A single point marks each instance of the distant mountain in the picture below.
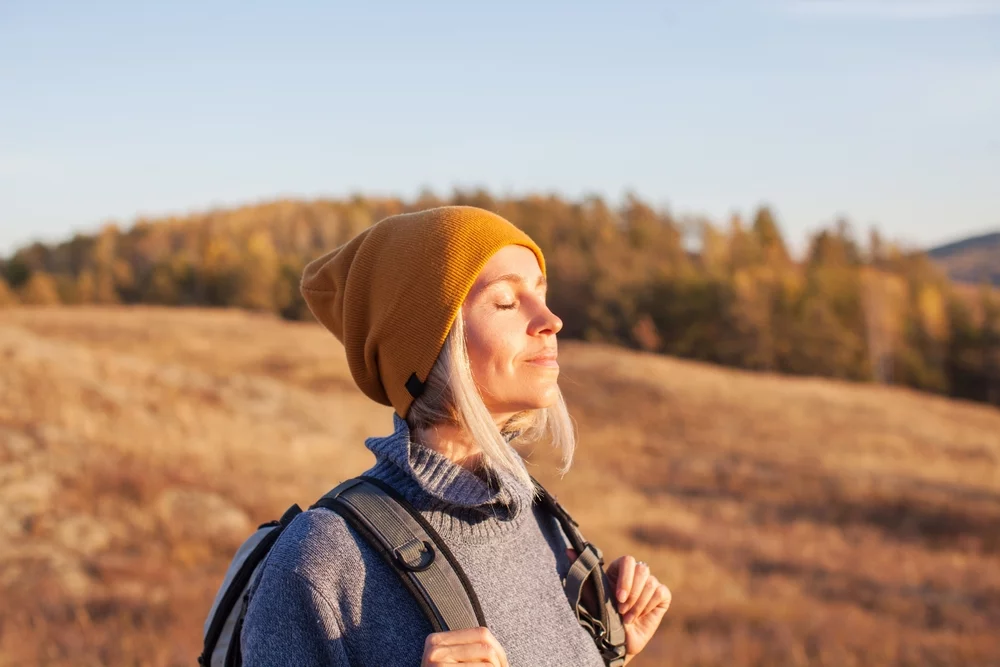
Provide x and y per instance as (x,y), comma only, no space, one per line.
(971,260)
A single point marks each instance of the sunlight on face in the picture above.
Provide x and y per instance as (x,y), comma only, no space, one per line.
(508,326)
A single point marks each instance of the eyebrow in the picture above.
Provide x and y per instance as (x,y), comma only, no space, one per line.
(515,278)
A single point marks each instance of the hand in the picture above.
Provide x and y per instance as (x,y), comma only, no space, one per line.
(473,646)
(642,601)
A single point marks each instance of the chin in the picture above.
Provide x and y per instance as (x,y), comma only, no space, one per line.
(538,401)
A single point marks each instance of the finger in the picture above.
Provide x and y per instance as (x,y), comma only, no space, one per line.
(464,636)
(463,653)
(626,576)
(501,654)
(639,576)
(664,597)
(439,644)
(657,607)
(496,653)
(642,602)
(571,554)
(653,616)
(612,569)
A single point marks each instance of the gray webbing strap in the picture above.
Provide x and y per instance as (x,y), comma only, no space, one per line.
(607,627)
(615,638)
(412,551)
(603,623)
(579,573)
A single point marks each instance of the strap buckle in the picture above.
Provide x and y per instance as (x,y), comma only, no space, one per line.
(427,556)
(611,653)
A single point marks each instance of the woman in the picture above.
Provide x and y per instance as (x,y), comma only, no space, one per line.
(442,315)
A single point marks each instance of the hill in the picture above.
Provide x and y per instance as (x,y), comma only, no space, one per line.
(622,274)
(798,521)
(972,260)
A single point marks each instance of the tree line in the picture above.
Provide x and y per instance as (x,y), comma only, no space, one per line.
(630,275)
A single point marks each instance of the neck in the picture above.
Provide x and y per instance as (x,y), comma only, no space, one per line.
(453,443)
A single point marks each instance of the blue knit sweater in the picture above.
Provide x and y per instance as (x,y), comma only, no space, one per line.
(326,598)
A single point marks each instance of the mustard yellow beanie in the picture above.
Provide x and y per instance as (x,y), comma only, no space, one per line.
(391,293)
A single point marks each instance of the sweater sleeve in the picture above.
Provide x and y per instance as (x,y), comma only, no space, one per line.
(289,622)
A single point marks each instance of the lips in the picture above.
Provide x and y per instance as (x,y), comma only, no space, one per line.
(549,355)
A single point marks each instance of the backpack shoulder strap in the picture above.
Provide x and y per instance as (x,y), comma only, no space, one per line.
(598,616)
(412,548)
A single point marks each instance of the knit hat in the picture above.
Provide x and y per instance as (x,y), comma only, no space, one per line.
(391,293)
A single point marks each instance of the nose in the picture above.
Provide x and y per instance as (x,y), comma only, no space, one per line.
(547,322)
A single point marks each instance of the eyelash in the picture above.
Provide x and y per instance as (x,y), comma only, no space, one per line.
(506,306)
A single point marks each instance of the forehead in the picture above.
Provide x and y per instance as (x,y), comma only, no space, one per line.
(512,259)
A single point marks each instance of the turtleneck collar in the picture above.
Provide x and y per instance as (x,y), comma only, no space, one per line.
(443,485)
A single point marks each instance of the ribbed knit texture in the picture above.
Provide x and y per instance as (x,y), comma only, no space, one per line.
(326,598)
(391,294)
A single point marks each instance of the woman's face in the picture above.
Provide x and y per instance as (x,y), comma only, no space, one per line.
(511,334)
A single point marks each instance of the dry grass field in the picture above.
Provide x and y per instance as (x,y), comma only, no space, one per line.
(798,521)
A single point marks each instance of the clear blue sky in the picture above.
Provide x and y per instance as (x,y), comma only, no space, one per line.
(885,111)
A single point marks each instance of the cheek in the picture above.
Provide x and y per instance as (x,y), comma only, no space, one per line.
(490,351)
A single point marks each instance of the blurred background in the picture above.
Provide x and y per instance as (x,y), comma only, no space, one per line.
(773,235)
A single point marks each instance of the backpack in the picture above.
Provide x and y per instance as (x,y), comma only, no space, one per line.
(424,564)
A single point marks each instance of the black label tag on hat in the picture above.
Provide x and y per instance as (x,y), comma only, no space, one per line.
(414,386)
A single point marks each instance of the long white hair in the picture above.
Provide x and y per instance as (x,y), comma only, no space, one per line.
(452,397)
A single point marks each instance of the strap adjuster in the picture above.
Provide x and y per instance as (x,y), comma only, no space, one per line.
(610,652)
(427,554)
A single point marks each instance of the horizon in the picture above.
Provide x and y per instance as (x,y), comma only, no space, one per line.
(881,112)
(797,247)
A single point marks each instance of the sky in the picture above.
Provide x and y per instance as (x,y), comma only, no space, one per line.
(885,112)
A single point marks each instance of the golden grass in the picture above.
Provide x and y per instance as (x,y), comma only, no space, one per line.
(798,521)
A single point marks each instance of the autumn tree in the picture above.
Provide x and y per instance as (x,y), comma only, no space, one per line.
(829,328)
(7,296)
(991,344)
(628,274)
(257,275)
(966,363)
(40,289)
(768,237)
